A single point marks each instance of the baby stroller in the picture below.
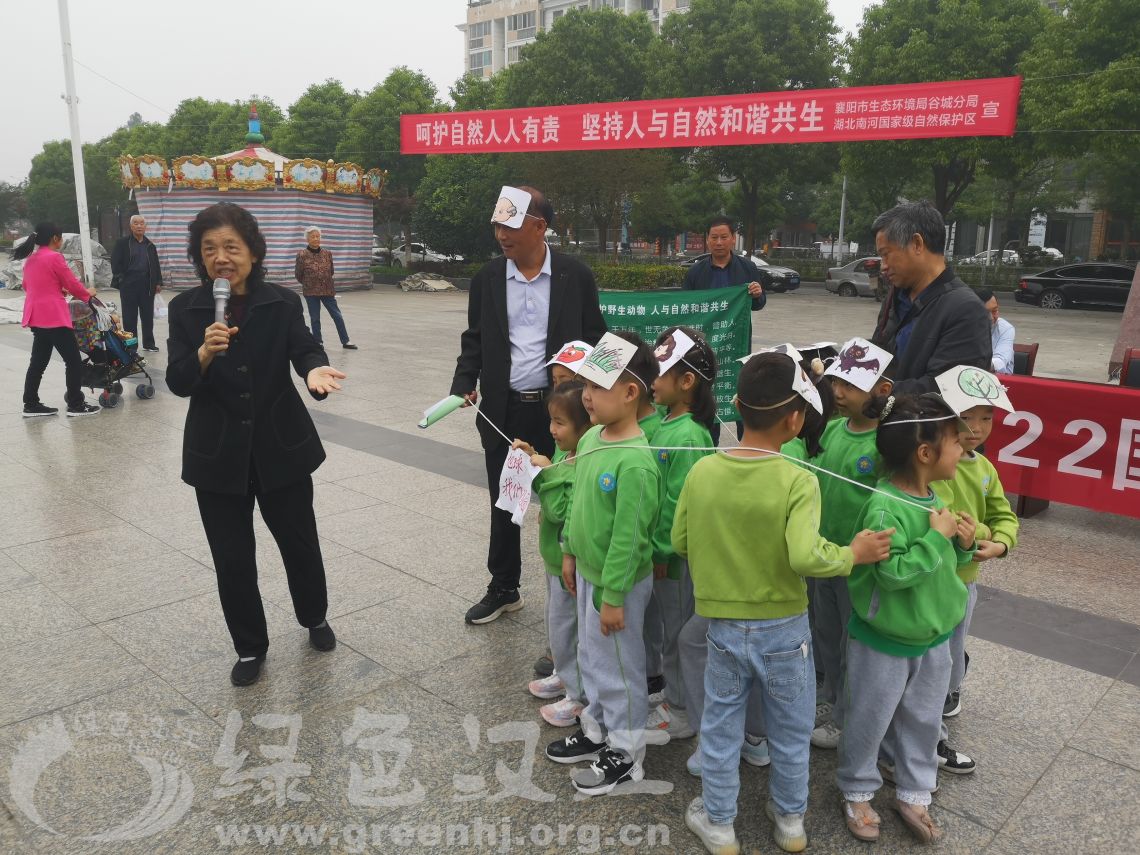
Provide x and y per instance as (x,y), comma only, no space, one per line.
(108,357)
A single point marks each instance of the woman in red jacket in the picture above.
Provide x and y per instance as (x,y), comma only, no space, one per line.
(46,279)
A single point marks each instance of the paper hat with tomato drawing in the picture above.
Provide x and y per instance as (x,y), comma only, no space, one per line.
(572,355)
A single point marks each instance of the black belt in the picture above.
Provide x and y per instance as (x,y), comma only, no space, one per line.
(534,397)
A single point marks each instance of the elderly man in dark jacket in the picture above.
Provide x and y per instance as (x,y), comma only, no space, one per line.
(724,267)
(138,276)
(931,320)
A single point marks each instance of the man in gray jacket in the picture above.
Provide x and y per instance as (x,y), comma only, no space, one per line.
(931,320)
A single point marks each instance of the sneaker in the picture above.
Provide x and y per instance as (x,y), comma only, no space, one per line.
(953,705)
(693,764)
(605,773)
(246,673)
(494,603)
(656,688)
(787,829)
(679,727)
(322,638)
(82,410)
(719,839)
(826,736)
(547,688)
(150,348)
(563,713)
(657,725)
(822,713)
(574,748)
(888,774)
(755,753)
(543,667)
(37,409)
(954,762)
(348,345)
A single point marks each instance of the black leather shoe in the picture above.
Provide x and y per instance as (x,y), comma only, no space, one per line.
(322,638)
(496,601)
(246,673)
(348,345)
(543,667)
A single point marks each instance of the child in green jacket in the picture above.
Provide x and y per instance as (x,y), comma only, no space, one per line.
(976,490)
(903,611)
(569,421)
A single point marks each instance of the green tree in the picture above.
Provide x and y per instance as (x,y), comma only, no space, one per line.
(454,200)
(316,122)
(589,57)
(664,210)
(13,205)
(211,128)
(724,47)
(51,187)
(913,41)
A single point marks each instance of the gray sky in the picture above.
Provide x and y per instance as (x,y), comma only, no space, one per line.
(287,50)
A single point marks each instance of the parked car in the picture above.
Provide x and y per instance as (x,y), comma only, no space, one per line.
(420,252)
(772,277)
(990,256)
(858,278)
(1098,284)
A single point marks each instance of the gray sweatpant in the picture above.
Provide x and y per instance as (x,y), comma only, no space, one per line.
(613,672)
(675,599)
(654,636)
(894,710)
(562,633)
(832,610)
(958,648)
(693,647)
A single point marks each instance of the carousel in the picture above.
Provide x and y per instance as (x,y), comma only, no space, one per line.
(285,195)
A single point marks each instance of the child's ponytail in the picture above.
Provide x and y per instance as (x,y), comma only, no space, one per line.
(816,423)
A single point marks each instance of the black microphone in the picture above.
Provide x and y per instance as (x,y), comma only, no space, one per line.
(221,302)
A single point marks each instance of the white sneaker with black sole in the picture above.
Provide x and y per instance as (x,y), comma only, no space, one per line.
(607,772)
(85,410)
(954,762)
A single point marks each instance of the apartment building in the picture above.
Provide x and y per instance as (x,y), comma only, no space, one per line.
(495,30)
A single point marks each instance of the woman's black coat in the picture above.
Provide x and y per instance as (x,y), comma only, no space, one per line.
(245,409)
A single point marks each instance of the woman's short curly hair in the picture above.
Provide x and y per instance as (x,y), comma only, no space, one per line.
(241,221)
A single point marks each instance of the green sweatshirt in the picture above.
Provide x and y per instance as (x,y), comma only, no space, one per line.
(912,601)
(617,494)
(750,529)
(680,432)
(795,448)
(651,423)
(554,485)
(976,489)
(852,455)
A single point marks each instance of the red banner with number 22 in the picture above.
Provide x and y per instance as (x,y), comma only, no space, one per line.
(1076,443)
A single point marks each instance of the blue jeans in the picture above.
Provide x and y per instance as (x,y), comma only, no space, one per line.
(776,655)
(334,311)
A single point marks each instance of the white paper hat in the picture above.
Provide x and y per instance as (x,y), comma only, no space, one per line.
(788,349)
(860,363)
(572,354)
(965,386)
(510,210)
(607,360)
(673,350)
(802,385)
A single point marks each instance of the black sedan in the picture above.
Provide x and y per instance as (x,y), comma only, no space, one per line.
(1093,284)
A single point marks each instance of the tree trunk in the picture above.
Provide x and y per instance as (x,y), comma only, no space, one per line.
(750,193)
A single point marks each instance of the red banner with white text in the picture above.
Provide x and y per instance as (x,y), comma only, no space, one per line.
(954,108)
(1076,443)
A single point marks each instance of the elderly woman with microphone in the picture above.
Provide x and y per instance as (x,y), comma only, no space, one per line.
(248,433)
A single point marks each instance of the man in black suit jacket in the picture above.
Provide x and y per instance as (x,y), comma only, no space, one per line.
(521,309)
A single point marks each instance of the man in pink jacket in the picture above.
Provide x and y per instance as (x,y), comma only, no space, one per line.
(46,279)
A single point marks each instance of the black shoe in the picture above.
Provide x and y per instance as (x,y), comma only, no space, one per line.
(82,410)
(953,761)
(246,673)
(150,347)
(322,638)
(496,601)
(37,409)
(575,748)
(543,667)
(655,685)
(953,705)
(605,773)
(348,345)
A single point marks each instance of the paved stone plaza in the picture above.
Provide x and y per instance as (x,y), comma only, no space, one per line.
(120,731)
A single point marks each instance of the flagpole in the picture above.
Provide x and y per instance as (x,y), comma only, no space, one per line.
(76,144)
